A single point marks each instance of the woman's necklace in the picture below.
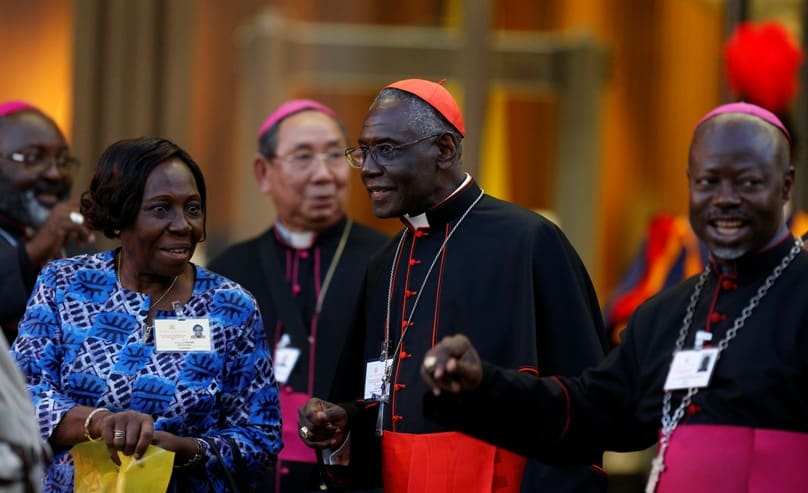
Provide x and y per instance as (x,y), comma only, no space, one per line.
(149,324)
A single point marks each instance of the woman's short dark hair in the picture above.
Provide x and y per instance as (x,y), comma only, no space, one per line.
(116,190)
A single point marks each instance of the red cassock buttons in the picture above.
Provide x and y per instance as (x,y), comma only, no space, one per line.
(408,293)
(296,289)
(419,233)
(304,254)
(414,261)
(396,419)
(399,386)
(404,355)
(716,317)
(728,284)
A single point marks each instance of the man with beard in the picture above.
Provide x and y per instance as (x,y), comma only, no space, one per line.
(36,219)
(670,251)
(713,370)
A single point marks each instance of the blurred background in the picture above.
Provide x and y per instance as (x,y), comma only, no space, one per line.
(583,108)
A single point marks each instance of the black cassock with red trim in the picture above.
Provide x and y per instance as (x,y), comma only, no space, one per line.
(510,280)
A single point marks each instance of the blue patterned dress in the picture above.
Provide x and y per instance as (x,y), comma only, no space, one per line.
(81,343)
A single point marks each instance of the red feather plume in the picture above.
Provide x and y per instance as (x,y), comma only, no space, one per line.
(762,62)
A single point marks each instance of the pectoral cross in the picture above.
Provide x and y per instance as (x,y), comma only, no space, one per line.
(383,398)
(657,466)
(380,417)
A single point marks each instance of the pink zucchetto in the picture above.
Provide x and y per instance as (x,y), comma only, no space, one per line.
(9,107)
(747,109)
(290,108)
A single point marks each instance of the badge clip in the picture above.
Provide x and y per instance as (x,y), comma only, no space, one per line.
(178,310)
(702,336)
(385,350)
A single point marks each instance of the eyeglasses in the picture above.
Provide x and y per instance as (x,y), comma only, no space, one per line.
(383,154)
(303,160)
(38,160)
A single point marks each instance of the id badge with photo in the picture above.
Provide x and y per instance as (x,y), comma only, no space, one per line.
(374,378)
(184,336)
(284,362)
(691,369)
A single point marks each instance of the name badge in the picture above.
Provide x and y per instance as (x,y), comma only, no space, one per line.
(284,362)
(374,377)
(185,336)
(691,369)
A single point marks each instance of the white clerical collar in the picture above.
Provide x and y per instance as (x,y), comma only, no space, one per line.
(421,221)
(296,239)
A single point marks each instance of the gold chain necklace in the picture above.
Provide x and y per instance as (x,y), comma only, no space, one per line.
(165,293)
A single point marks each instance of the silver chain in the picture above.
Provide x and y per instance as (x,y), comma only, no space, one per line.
(386,344)
(670,422)
(423,284)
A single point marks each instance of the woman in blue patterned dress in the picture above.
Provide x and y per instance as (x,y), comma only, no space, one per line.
(106,342)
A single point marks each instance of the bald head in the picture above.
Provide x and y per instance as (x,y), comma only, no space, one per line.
(761,136)
(30,185)
(740,179)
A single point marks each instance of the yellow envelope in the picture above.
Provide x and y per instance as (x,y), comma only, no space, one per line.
(96,473)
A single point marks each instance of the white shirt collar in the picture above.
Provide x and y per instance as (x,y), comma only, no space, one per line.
(421,221)
(296,239)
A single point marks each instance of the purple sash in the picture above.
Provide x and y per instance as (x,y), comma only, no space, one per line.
(734,459)
(294,449)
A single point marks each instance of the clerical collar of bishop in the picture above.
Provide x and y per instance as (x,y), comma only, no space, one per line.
(301,240)
(421,221)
